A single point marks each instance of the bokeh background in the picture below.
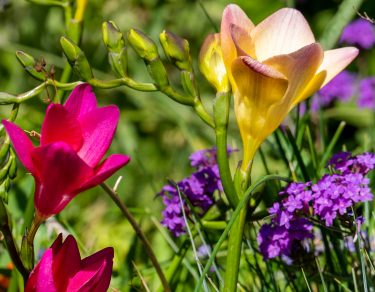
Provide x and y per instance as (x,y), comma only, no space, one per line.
(156,132)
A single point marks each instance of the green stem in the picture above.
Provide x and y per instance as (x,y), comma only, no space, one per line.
(221,116)
(148,248)
(234,252)
(245,199)
(203,114)
(345,13)
(10,244)
(27,249)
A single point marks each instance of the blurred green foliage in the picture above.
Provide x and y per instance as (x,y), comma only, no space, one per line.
(156,132)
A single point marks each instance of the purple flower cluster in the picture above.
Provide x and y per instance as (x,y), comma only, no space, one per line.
(360,32)
(198,189)
(341,87)
(332,196)
(366,98)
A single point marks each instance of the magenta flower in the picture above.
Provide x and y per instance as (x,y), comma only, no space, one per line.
(74,138)
(61,269)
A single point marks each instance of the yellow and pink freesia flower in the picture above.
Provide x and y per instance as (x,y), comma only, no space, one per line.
(62,269)
(74,138)
(272,67)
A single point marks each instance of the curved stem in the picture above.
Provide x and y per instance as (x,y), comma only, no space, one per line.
(116,199)
(245,199)
(10,244)
(27,249)
(234,252)
(221,116)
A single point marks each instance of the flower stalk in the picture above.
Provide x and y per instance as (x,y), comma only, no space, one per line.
(125,211)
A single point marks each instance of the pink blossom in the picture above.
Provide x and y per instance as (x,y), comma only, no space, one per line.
(74,138)
(61,269)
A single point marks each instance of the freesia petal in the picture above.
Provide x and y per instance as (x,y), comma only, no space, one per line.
(60,171)
(60,125)
(258,87)
(105,170)
(283,32)
(98,128)
(232,15)
(300,68)
(333,63)
(95,273)
(21,143)
(242,41)
(66,263)
(81,101)
(41,278)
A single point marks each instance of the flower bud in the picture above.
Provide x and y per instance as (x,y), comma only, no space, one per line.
(211,63)
(176,49)
(12,171)
(76,58)
(29,64)
(112,36)
(117,51)
(143,45)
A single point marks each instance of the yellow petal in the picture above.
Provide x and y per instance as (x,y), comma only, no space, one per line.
(258,86)
(232,15)
(211,63)
(334,62)
(283,32)
(299,67)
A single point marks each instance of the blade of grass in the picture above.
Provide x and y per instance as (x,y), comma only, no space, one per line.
(304,277)
(321,275)
(331,145)
(235,214)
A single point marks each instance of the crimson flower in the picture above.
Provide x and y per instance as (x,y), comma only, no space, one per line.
(61,269)
(74,138)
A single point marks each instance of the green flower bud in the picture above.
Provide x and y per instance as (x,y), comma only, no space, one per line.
(117,51)
(30,65)
(176,49)
(77,59)
(158,72)
(4,148)
(143,45)
(4,188)
(112,36)
(211,63)
(12,171)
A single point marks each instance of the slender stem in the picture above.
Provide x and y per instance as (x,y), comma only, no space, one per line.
(202,113)
(116,199)
(244,200)
(234,252)
(27,249)
(10,244)
(221,116)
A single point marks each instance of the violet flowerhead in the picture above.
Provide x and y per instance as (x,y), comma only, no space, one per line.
(74,138)
(339,88)
(198,188)
(366,97)
(62,269)
(360,32)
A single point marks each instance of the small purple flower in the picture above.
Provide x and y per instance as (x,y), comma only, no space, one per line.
(366,97)
(341,87)
(360,32)
(199,189)
(332,196)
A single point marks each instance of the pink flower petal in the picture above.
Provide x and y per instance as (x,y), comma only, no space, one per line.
(232,15)
(60,171)
(299,67)
(105,170)
(98,128)
(283,32)
(60,125)
(95,273)
(81,101)
(41,277)
(66,263)
(21,143)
